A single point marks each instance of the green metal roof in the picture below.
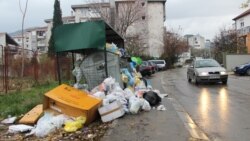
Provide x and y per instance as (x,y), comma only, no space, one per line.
(87,35)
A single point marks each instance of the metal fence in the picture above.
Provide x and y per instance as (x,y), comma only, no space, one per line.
(38,69)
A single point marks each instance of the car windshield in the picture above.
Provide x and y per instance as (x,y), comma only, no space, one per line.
(145,63)
(159,62)
(206,63)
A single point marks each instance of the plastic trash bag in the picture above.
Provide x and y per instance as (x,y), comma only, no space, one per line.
(105,102)
(134,105)
(72,126)
(100,95)
(9,120)
(19,128)
(152,98)
(161,108)
(128,93)
(49,123)
(145,105)
(109,83)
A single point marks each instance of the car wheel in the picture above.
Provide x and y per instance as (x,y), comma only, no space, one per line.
(189,79)
(248,72)
(196,81)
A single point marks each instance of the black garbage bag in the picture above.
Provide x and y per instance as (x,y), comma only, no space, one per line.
(152,98)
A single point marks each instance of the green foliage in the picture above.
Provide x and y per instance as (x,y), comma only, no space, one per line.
(57,21)
(18,103)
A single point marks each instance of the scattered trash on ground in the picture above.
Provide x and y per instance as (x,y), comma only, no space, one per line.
(9,120)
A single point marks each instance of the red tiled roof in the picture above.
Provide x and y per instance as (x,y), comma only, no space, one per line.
(242,14)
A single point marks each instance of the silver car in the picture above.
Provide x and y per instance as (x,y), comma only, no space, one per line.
(206,70)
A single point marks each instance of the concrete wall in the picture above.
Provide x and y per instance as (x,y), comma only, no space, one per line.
(233,60)
(155,15)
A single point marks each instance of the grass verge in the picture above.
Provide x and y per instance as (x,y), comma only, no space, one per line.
(17,103)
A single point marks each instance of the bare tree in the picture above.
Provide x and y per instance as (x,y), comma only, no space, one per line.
(174,46)
(227,41)
(134,46)
(127,13)
(23,17)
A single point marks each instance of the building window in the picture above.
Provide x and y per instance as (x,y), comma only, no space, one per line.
(242,24)
(143,3)
(143,17)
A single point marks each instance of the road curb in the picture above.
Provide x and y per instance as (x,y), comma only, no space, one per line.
(195,132)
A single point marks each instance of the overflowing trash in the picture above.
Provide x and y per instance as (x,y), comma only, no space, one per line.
(74,108)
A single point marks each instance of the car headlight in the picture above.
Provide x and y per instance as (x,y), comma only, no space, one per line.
(223,73)
(203,74)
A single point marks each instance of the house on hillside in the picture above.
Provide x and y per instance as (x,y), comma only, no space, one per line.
(242,25)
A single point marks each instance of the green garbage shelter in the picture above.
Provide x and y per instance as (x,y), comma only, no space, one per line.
(85,36)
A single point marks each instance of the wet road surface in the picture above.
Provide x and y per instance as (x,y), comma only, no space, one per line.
(221,111)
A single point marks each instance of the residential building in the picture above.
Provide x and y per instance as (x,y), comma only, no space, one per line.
(195,41)
(34,40)
(149,27)
(242,25)
(6,41)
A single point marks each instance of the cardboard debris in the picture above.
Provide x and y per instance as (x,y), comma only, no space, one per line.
(32,116)
(72,102)
(111,111)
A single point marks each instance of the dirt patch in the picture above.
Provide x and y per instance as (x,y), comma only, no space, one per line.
(93,132)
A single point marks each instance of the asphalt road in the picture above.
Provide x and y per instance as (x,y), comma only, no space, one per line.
(222,112)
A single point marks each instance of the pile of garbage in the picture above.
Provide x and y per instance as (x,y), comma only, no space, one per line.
(112,102)
(116,102)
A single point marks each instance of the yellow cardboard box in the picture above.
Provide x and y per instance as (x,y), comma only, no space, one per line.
(72,102)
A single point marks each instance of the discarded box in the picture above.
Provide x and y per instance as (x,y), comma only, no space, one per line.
(32,116)
(111,111)
(72,102)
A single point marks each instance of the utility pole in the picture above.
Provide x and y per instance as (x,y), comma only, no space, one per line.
(112,13)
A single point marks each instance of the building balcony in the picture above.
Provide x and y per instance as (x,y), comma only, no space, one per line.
(243,31)
(41,36)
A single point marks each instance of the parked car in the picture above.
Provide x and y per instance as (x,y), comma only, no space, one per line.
(206,70)
(155,68)
(243,69)
(145,69)
(161,64)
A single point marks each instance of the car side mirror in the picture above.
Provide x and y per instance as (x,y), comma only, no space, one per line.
(222,65)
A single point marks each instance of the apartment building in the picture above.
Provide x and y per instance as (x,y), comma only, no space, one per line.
(195,41)
(149,28)
(242,25)
(34,40)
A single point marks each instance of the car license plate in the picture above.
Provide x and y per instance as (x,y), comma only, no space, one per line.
(214,76)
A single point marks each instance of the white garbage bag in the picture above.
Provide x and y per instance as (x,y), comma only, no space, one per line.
(145,105)
(19,128)
(49,123)
(134,105)
(100,95)
(128,93)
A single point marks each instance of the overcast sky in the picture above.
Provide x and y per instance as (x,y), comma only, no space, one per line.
(203,17)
